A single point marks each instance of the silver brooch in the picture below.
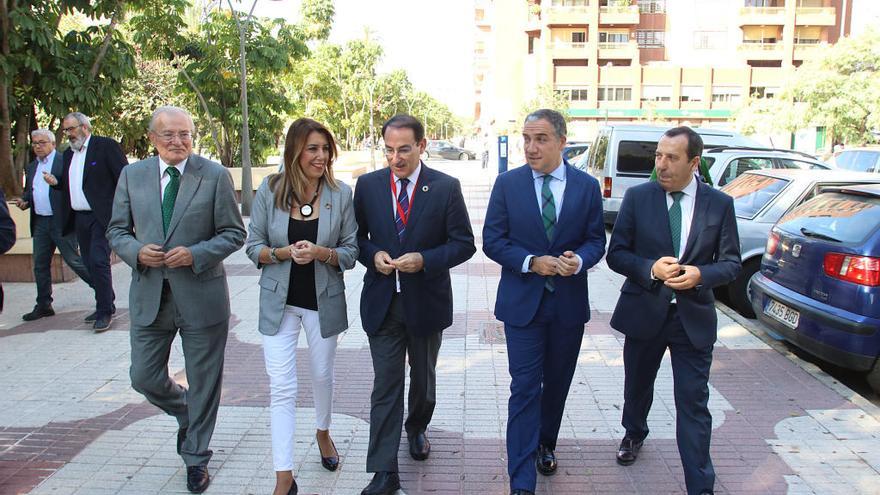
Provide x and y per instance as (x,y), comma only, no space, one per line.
(424,188)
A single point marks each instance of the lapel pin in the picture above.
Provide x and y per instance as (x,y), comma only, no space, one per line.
(327,206)
(425,188)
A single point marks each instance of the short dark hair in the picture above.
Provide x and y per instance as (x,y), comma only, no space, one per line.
(695,142)
(553,117)
(405,121)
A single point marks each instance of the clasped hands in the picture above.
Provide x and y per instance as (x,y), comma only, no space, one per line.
(564,266)
(151,255)
(674,275)
(406,263)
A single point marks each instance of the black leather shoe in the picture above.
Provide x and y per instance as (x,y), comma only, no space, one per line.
(383,483)
(102,324)
(521,492)
(546,461)
(38,312)
(330,463)
(628,451)
(197,478)
(94,315)
(181,436)
(419,447)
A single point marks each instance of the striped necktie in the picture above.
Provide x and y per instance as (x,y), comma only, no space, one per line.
(548,214)
(403,202)
(675,221)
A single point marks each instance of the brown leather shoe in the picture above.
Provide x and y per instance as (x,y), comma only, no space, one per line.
(197,479)
(628,451)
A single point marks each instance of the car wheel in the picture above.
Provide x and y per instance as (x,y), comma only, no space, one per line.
(738,290)
(463,156)
(874,377)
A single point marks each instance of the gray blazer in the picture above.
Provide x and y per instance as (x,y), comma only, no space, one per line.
(336,229)
(205,219)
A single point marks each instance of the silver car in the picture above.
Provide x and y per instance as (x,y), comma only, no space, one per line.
(760,198)
(726,163)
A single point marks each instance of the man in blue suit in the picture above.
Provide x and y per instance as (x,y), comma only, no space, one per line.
(44,203)
(675,240)
(88,180)
(544,227)
(413,227)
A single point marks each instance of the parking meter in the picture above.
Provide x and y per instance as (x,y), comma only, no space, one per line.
(502,154)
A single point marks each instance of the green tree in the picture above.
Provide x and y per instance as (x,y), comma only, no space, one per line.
(545,97)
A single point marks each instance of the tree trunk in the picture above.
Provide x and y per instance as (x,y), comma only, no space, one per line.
(108,37)
(7,173)
(247,188)
(203,103)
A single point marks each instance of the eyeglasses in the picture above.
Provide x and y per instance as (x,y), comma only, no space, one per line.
(68,129)
(402,151)
(39,143)
(169,136)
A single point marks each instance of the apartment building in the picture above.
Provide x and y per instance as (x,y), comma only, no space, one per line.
(670,61)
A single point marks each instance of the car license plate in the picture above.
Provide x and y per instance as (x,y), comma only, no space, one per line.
(783,313)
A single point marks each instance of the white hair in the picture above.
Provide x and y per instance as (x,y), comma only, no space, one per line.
(169,110)
(82,118)
(45,133)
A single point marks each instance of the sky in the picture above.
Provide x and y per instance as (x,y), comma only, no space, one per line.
(431,39)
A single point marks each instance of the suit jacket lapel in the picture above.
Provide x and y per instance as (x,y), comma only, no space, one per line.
(189,184)
(658,204)
(698,221)
(526,184)
(324,207)
(152,191)
(421,195)
(388,206)
(91,152)
(571,195)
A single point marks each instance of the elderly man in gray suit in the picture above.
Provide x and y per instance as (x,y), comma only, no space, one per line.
(174,220)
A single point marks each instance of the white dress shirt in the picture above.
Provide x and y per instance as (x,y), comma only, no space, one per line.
(413,179)
(557,188)
(40,192)
(164,178)
(78,199)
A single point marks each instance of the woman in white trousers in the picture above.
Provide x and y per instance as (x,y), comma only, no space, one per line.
(302,235)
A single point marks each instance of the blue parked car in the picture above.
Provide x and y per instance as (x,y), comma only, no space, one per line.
(819,285)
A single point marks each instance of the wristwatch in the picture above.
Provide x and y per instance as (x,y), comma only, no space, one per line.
(272,256)
(531,262)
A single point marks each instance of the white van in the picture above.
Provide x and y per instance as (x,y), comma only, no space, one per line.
(622,156)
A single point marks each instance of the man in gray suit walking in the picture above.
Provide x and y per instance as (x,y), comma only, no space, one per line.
(174,221)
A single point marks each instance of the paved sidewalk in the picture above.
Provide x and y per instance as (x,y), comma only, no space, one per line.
(70,423)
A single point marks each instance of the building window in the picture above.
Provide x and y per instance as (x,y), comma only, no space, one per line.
(726,94)
(578,37)
(574,93)
(652,6)
(615,93)
(763,92)
(605,37)
(650,39)
(570,3)
(531,45)
(656,93)
(709,40)
(692,93)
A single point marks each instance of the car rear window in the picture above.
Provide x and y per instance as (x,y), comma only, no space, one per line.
(751,192)
(848,218)
(636,157)
(597,154)
(860,161)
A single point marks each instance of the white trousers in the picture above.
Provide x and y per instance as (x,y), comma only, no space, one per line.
(280,353)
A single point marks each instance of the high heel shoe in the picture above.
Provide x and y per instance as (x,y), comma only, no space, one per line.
(330,463)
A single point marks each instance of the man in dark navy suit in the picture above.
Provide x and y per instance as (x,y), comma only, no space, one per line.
(675,240)
(91,169)
(544,227)
(413,227)
(45,203)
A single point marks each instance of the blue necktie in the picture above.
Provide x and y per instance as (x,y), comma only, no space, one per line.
(403,201)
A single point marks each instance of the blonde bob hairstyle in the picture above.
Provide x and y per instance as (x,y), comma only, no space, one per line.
(289,185)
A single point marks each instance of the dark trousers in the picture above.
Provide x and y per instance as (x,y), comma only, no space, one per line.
(46,239)
(96,256)
(390,348)
(690,373)
(541,360)
(203,351)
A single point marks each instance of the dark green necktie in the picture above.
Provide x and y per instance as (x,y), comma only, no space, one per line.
(675,221)
(548,213)
(169,197)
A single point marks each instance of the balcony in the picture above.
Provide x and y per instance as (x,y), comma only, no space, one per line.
(627,49)
(816,16)
(567,49)
(807,49)
(624,14)
(567,15)
(760,51)
(761,16)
